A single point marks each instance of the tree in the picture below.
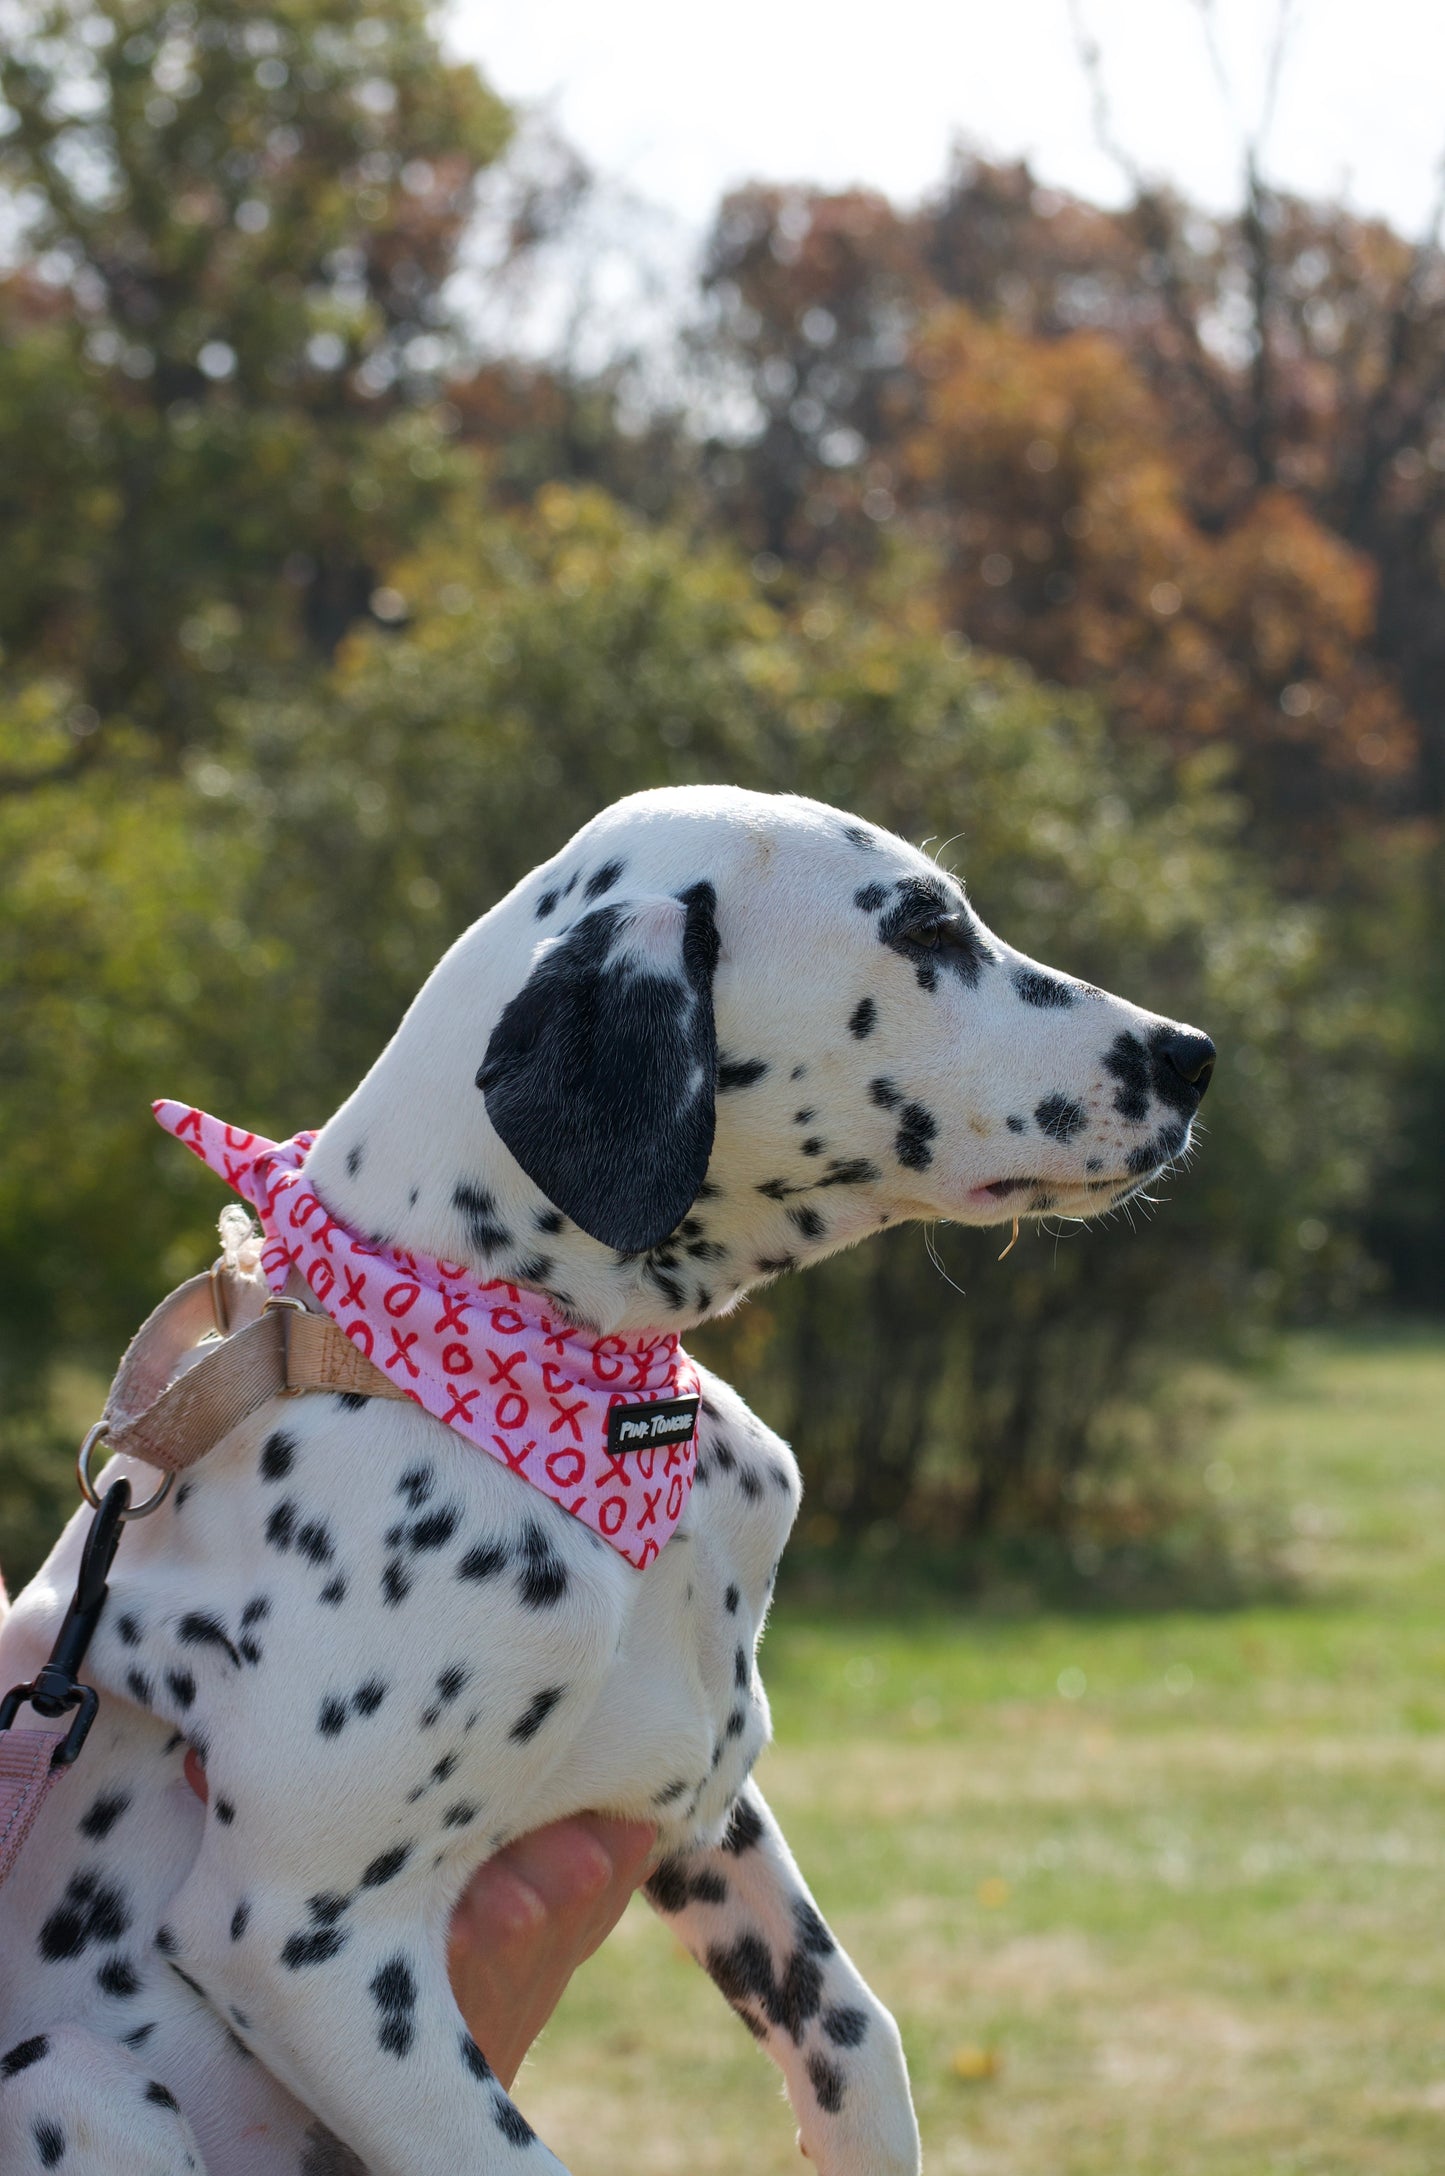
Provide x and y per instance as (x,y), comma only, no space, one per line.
(217,385)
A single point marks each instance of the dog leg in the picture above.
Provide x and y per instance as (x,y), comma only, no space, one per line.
(744,1911)
(347,2002)
(74,2101)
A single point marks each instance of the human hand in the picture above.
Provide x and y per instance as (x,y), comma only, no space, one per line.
(526,1921)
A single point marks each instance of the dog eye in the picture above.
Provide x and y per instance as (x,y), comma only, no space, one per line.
(943,929)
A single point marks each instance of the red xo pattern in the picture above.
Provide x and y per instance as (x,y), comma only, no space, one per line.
(485,1358)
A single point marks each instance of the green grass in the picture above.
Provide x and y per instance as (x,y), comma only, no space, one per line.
(1180,1877)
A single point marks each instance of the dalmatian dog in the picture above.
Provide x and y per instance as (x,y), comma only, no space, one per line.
(780,1029)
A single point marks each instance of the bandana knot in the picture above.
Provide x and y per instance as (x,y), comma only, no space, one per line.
(605,1426)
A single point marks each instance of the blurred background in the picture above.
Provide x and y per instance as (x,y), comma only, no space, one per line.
(417,430)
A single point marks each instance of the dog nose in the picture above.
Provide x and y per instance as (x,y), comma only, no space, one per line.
(1189,1054)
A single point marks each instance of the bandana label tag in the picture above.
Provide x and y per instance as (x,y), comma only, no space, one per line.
(644,1427)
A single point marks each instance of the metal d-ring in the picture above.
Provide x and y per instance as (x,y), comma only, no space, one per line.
(97,1435)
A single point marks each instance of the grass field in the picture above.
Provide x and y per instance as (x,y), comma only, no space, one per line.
(1150,1895)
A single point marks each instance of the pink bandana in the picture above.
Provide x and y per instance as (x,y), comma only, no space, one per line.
(605,1426)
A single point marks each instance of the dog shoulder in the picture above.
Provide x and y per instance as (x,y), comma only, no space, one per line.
(746,1474)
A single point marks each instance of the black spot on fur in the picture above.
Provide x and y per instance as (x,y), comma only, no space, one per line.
(49,2141)
(827,2082)
(474,2059)
(161,2096)
(281,1526)
(1016,1125)
(240,1918)
(484,1561)
(603,879)
(511,2122)
(197,1629)
(669,1794)
(333,1592)
(863,1019)
(395,1582)
(540,1706)
(1140,1160)
(353,1158)
(451,1681)
(667,1886)
(386,1867)
(550,1220)
(857,836)
(745,1828)
(812,1932)
(545,905)
(139,2037)
(313,1541)
(1060,1117)
(368,1697)
(808,1222)
(775,1265)
(871,897)
(127,1630)
(916,1130)
(394,1991)
(225,1812)
(101,1816)
(1127,1061)
(23,2054)
(744,1972)
(435,1528)
(256,1610)
(278,1455)
(1050,992)
(416,1485)
(182,1687)
(739,1072)
(731,1600)
(885,1093)
(91,1910)
(118,1976)
(542,1578)
(331,1718)
(854,1171)
(479,1212)
(846,2028)
(461,1815)
(315,1946)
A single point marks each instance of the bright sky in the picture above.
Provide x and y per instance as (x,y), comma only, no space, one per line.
(678,101)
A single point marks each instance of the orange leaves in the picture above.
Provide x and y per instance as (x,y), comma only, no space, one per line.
(1069,538)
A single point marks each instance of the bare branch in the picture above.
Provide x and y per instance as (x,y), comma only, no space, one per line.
(1091,60)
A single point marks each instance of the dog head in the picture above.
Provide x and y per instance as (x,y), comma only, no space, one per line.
(724,1032)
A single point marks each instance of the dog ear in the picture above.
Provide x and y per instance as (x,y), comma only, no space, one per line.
(600,1074)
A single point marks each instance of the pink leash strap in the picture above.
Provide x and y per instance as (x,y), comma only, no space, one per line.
(27,1776)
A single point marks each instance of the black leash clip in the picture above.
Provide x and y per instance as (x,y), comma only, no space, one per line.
(57,1689)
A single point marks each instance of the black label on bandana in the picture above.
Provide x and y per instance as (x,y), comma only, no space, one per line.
(644,1427)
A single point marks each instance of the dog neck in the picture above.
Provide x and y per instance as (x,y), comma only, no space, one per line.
(406,1170)
(406,1174)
